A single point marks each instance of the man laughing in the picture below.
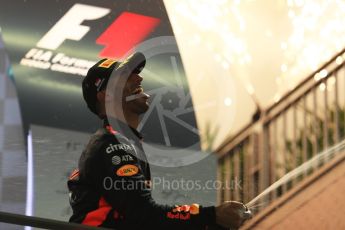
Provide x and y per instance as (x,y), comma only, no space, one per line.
(111,187)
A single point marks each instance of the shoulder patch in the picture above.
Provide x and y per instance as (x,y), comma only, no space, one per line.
(127,170)
(107,63)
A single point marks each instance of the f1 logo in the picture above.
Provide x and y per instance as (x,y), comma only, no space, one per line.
(68,27)
(122,35)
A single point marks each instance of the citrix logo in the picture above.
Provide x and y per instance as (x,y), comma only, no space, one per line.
(115,38)
(115,147)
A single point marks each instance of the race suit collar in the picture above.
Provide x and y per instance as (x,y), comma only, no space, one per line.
(116,126)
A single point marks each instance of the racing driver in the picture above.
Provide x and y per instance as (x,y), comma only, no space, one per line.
(111,187)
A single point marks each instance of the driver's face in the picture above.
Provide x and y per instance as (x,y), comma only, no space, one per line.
(135,99)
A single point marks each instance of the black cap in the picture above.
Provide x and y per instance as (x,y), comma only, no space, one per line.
(98,75)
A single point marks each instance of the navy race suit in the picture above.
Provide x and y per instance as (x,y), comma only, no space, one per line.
(111,187)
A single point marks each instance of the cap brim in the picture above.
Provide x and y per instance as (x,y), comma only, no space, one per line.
(134,63)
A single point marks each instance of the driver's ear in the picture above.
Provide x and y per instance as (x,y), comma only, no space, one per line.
(104,96)
(101,96)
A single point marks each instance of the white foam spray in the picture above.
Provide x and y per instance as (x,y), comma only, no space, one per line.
(312,163)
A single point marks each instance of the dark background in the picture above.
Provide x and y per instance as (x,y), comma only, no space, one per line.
(54,99)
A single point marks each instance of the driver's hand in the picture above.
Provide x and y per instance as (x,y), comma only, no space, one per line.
(230,214)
